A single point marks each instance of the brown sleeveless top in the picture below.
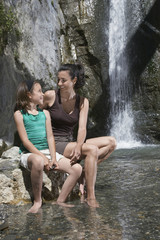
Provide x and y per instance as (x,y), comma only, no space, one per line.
(63,123)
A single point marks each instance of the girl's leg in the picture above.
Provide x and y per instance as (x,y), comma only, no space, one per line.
(90,153)
(106,145)
(36,165)
(74,174)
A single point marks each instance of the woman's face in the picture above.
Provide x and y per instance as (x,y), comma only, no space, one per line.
(64,81)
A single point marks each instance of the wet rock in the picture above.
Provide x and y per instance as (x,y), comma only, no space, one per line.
(3,218)
(3,225)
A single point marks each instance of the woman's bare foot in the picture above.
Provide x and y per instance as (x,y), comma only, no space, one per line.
(35,208)
(92,203)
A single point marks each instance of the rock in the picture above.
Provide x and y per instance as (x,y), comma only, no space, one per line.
(3,225)
(15,182)
(3,146)
(6,189)
(11,153)
(3,218)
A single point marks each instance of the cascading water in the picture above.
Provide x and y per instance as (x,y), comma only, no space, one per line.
(120,89)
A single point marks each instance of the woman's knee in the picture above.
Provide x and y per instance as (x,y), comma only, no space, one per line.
(92,150)
(113,143)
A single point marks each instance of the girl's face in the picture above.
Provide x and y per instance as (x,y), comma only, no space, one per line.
(64,81)
(36,96)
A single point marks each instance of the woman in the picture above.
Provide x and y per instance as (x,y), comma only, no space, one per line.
(67,109)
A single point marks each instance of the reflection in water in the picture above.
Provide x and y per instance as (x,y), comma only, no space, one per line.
(91,226)
(127,189)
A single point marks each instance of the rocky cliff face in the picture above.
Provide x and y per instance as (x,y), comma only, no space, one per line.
(43,35)
(31,51)
(144,65)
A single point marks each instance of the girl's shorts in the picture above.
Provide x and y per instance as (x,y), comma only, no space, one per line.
(24,157)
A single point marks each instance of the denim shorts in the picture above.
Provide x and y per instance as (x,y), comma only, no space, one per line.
(24,157)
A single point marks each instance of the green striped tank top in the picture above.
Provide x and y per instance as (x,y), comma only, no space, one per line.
(35,126)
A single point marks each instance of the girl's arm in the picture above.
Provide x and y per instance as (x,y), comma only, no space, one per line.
(81,136)
(50,139)
(24,138)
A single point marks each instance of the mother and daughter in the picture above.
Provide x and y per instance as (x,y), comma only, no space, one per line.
(47,138)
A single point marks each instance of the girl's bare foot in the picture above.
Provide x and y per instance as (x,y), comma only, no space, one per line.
(81,189)
(35,208)
(92,203)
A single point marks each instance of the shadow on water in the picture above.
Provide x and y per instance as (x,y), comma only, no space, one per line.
(139,50)
(127,189)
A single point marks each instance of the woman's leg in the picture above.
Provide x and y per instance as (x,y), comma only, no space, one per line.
(74,172)
(90,153)
(106,145)
(36,165)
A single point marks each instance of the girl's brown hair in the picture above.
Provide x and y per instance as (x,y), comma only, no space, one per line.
(22,98)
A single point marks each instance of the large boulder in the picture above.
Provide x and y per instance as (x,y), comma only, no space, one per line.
(15,183)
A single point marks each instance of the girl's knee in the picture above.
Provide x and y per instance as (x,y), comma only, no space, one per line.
(77,168)
(38,163)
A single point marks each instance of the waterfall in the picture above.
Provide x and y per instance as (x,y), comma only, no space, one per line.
(122,119)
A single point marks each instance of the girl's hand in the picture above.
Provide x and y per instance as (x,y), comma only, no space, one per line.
(53,165)
(46,164)
(75,154)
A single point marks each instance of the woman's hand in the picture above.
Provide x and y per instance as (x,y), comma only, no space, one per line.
(75,154)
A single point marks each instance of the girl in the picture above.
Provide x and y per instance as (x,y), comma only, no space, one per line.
(67,109)
(38,147)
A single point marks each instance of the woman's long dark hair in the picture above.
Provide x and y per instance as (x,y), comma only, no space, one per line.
(75,70)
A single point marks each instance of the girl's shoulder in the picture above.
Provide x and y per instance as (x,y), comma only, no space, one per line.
(18,114)
(46,113)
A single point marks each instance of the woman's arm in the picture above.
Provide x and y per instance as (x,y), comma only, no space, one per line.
(24,138)
(48,99)
(83,116)
(50,139)
(81,135)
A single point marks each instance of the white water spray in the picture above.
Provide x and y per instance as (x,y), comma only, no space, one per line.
(120,90)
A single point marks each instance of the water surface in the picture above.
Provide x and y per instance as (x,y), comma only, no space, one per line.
(128,190)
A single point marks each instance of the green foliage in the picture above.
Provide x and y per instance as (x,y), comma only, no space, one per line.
(7,23)
(52,3)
